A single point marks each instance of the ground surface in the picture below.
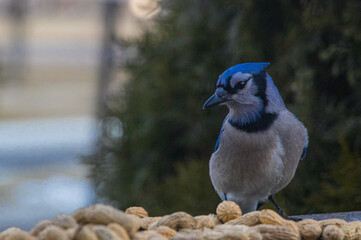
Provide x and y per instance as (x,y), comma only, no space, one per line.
(347,216)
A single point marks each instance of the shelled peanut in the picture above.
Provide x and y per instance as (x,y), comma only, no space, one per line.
(101,222)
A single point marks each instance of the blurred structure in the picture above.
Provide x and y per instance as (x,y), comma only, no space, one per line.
(16,57)
(110,11)
(55,65)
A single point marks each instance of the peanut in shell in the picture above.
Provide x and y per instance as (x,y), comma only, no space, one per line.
(119,230)
(188,234)
(239,229)
(65,221)
(229,235)
(309,230)
(148,235)
(166,231)
(138,211)
(40,226)
(273,232)
(15,234)
(249,219)
(306,221)
(352,230)
(228,210)
(177,221)
(204,221)
(102,214)
(268,216)
(147,221)
(70,232)
(211,235)
(104,233)
(53,232)
(332,221)
(215,219)
(332,232)
(85,233)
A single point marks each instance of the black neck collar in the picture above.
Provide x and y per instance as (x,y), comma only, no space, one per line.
(262,123)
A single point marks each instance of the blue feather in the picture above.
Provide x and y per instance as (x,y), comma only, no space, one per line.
(253,68)
(304,153)
(219,137)
(295,116)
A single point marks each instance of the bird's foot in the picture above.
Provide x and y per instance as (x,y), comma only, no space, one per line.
(292,218)
(282,213)
(285,216)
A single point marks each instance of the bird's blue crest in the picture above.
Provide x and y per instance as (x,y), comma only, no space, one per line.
(253,68)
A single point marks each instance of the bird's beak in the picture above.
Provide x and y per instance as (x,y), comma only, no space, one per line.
(217,98)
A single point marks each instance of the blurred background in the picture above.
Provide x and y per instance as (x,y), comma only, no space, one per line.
(55,58)
(101,100)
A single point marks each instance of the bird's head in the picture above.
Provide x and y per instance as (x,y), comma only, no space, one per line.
(246,88)
(242,84)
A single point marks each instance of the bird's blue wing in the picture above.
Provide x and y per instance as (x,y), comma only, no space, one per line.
(219,138)
(220,134)
(304,153)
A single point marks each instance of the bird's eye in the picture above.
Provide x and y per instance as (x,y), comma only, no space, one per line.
(241,85)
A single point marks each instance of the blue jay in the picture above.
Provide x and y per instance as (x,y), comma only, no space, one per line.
(260,143)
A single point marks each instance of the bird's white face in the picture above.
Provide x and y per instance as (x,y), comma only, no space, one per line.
(241,94)
(240,78)
(243,91)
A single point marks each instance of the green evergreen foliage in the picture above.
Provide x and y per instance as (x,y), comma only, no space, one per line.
(160,161)
(340,187)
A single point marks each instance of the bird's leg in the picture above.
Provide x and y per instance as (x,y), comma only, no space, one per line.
(281,212)
(260,204)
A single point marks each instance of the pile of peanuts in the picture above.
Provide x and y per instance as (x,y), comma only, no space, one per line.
(101,222)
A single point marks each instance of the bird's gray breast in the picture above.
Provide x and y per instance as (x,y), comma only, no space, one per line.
(247,163)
